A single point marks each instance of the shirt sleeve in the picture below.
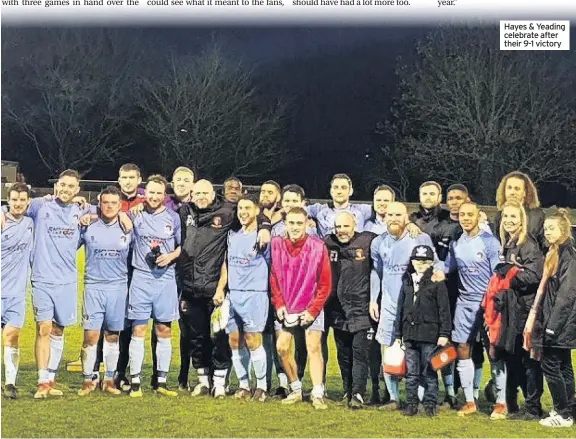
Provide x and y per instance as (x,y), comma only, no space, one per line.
(35,206)
(493,252)
(177,228)
(313,209)
(376,272)
(324,285)
(367,211)
(450,265)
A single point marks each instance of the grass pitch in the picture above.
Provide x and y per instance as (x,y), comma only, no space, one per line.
(99,415)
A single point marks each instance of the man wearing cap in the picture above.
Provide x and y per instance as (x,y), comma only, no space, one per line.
(300,281)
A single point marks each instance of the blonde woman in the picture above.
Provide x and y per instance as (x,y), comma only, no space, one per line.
(517,186)
(520,249)
(555,320)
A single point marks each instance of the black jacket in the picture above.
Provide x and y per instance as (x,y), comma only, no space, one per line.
(535,226)
(347,308)
(556,323)
(204,243)
(525,283)
(507,303)
(441,228)
(427,318)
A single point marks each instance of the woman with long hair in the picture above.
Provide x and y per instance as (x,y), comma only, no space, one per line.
(517,186)
(555,321)
(521,250)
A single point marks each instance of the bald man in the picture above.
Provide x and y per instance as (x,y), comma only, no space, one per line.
(206,223)
(347,308)
(390,258)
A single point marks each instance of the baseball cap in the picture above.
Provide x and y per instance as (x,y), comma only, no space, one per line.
(422,253)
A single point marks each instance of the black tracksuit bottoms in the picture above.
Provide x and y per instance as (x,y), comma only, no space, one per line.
(353,352)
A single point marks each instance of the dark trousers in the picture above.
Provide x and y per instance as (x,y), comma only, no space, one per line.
(420,372)
(375,360)
(99,352)
(525,373)
(557,368)
(353,351)
(206,353)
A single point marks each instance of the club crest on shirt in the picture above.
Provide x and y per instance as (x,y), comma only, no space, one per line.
(217,222)
(359,254)
(123,240)
(168,229)
(190,221)
(479,256)
(333,256)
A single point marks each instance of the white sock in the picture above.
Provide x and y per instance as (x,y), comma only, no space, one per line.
(164,354)
(56,349)
(466,371)
(88,359)
(203,377)
(498,372)
(283,380)
(219,377)
(11,361)
(246,359)
(42,376)
(111,352)
(296,386)
(240,369)
(318,391)
(136,353)
(258,357)
(420,393)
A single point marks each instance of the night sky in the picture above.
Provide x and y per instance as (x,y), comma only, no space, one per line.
(341,82)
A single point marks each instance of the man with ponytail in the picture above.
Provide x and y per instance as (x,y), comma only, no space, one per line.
(554,322)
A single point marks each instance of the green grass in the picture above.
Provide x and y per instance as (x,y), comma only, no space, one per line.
(152,416)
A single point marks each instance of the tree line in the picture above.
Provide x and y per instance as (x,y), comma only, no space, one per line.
(464,111)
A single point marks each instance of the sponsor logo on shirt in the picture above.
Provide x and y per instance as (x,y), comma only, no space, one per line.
(103,253)
(16,248)
(61,232)
(217,222)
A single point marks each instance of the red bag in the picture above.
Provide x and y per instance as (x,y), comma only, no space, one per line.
(442,356)
(395,360)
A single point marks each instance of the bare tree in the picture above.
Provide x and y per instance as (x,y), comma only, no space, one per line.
(468,112)
(206,114)
(67,91)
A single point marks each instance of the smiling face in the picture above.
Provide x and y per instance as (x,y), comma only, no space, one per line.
(182,182)
(381,201)
(203,194)
(155,193)
(67,188)
(290,200)
(18,203)
(345,226)
(469,217)
(511,220)
(247,212)
(296,226)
